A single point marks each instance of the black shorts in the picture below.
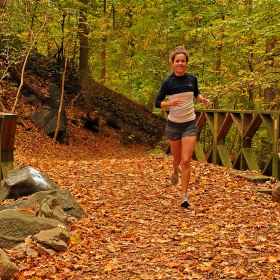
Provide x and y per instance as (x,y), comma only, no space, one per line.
(175,131)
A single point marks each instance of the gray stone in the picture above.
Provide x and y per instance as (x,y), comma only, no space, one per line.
(45,117)
(44,251)
(51,208)
(7,268)
(56,238)
(66,201)
(27,249)
(17,224)
(23,182)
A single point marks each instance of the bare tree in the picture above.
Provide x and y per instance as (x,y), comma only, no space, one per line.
(62,85)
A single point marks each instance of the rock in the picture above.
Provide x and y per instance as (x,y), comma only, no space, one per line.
(7,268)
(26,248)
(276,194)
(67,202)
(45,117)
(44,251)
(51,208)
(56,239)
(17,224)
(23,182)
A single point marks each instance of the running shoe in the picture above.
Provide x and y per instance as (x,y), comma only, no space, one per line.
(185,203)
(174,179)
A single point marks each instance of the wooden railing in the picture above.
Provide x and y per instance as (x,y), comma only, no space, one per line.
(215,127)
(7,136)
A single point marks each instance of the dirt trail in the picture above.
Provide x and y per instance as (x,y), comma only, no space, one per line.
(135,227)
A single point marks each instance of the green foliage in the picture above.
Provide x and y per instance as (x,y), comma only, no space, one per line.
(262,146)
(160,149)
(233,45)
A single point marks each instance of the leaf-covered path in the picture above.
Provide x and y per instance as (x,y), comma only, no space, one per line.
(135,227)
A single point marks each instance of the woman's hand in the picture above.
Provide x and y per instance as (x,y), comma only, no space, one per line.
(177,101)
(206,101)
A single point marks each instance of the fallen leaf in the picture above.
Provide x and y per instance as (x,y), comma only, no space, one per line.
(109,267)
(272,258)
(241,238)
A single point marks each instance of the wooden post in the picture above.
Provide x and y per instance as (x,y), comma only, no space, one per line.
(275,148)
(7,136)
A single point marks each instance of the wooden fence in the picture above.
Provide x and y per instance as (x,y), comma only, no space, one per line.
(214,126)
(246,124)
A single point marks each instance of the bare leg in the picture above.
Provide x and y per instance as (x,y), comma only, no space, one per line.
(176,152)
(188,145)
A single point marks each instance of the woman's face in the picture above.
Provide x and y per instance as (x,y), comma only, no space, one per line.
(179,64)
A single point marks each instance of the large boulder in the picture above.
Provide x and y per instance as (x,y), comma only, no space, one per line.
(17,224)
(66,201)
(45,117)
(23,182)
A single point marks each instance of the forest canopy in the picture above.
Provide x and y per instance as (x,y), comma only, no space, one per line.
(125,45)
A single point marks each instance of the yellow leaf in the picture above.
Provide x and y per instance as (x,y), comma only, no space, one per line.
(183,226)
(272,259)
(184,243)
(227,269)
(269,274)
(241,238)
(74,239)
(208,264)
(204,267)
(109,267)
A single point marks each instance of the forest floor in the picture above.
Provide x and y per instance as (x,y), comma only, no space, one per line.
(135,227)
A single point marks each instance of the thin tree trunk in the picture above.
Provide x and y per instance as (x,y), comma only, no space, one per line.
(84,47)
(248,3)
(103,52)
(219,59)
(269,92)
(62,87)
(2,5)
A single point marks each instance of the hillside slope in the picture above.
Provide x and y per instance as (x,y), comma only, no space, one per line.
(132,122)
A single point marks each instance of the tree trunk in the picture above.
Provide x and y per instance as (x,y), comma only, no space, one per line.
(84,47)
(62,86)
(2,5)
(269,91)
(219,59)
(103,52)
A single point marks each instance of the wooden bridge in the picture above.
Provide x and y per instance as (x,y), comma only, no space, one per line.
(243,140)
